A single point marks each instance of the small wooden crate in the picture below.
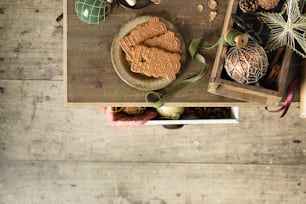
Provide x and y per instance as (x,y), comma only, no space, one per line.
(221,85)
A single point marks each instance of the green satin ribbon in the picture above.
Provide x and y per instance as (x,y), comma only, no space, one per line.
(157,100)
(227,40)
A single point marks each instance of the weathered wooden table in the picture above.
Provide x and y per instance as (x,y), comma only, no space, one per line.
(52,154)
(90,78)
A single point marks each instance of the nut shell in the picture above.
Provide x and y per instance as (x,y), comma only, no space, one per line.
(268,4)
(212,15)
(248,6)
(212,4)
(200,8)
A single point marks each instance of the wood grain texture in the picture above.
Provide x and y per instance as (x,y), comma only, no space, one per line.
(40,128)
(303,91)
(152,183)
(31,40)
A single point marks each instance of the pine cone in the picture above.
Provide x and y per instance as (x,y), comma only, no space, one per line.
(268,4)
(247,6)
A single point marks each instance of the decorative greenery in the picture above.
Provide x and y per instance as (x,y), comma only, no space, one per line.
(286,28)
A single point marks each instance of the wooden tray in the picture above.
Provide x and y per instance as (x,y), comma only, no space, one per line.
(89,76)
(220,85)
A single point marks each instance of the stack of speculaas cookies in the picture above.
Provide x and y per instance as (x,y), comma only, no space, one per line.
(153,50)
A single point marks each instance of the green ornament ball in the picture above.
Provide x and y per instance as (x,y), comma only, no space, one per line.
(92,11)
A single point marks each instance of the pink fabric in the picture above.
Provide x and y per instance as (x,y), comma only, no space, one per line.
(126,122)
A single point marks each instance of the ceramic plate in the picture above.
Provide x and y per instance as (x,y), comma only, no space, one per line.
(122,66)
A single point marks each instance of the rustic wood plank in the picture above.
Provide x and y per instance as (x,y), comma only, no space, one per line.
(35,125)
(152,183)
(31,40)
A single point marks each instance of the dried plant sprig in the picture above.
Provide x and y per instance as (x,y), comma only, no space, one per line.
(286,28)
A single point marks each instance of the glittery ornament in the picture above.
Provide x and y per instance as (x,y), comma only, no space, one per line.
(268,4)
(92,11)
(248,64)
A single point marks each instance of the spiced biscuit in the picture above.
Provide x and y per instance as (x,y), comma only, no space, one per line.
(155,62)
(141,33)
(127,49)
(145,31)
(166,41)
